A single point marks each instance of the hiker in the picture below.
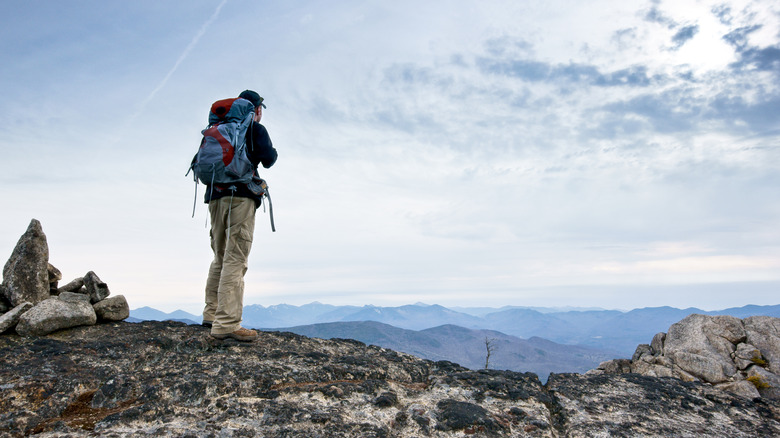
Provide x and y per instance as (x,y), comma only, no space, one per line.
(232,209)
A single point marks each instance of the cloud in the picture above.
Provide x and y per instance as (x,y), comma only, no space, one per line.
(572,73)
(739,37)
(684,35)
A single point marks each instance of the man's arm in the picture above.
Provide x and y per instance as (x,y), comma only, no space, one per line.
(262,151)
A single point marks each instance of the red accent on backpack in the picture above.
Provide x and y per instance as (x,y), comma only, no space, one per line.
(227,148)
(220,108)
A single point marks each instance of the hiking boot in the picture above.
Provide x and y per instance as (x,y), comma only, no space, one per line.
(241,334)
(207,324)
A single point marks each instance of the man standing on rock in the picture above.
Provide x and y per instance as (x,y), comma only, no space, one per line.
(232,210)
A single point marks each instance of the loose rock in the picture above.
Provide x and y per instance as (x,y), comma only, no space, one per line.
(55,314)
(96,289)
(26,273)
(112,309)
(54,277)
(73,296)
(73,286)
(9,319)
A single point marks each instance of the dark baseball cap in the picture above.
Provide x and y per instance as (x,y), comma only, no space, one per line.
(253,97)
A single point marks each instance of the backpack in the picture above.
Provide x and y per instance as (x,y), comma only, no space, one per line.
(222,157)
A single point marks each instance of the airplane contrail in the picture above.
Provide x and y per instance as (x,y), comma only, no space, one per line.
(181,59)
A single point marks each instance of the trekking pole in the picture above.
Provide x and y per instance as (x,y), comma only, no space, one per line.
(270,210)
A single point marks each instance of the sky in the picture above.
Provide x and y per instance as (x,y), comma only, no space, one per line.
(614,154)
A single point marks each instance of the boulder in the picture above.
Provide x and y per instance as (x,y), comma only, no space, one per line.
(55,314)
(74,297)
(657,344)
(741,387)
(112,309)
(707,368)
(702,345)
(96,289)
(651,369)
(26,273)
(615,366)
(767,383)
(9,319)
(54,278)
(747,355)
(73,286)
(763,332)
(641,350)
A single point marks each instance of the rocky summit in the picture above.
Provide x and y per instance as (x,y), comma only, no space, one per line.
(121,379)
(737,355)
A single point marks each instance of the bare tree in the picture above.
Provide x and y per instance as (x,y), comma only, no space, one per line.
(490,347)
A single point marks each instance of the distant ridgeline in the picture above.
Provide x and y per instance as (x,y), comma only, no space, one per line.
(537,340)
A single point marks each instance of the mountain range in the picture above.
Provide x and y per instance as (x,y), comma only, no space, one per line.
(541,340)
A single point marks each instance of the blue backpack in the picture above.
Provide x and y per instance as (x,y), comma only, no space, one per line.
(222,156)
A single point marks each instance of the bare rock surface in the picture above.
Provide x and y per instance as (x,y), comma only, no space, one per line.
(26,273)
(741,356)
(170,379)
(632,405)
(763,333)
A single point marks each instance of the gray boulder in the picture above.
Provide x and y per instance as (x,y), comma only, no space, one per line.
(767,383)
(657,344)
(9,319)
(26,273)
(741,387)
(702,346)
(73,286)
(746,355)
(96,289)
(112,309)
(738,356)
(54,278)
(74,296)
(642,350)
(763,332)
(55,314)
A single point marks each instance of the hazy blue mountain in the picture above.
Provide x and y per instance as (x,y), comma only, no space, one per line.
(414,317)
(466,346)
(525,323)
(750,310)
(285,315)
(150,314)
(482,311)
(602,329)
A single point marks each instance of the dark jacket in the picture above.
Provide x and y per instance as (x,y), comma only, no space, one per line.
(260,151)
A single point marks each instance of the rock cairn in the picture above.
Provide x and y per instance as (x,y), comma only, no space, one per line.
(33,304)
(741,356)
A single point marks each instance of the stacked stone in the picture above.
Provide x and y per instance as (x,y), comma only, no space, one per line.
(739,356)
(31,302)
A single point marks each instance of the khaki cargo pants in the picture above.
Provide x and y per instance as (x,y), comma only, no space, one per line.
(232,228)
